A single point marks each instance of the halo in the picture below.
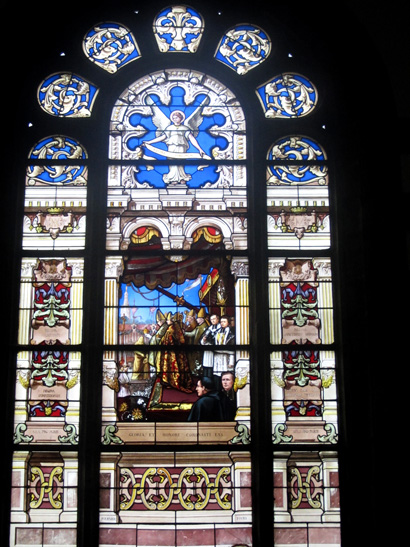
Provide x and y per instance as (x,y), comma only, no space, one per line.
(182,115)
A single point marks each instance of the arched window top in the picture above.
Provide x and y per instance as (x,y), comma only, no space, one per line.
(178,28)
(110,46)
(243,47)
(58,147)
(288,95)
(210,124)
(67,95)
(296,147)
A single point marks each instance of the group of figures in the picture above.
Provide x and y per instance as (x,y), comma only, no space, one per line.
(213,404)
(170,364)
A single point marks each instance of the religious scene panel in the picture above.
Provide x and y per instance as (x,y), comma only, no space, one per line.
(306,498)
(297,195)
(55,197)
(142,403)
(44,498)
(51,298)
(185,288)
(176,498)
(300,301)
(177,114)
(47,397)
(179,314)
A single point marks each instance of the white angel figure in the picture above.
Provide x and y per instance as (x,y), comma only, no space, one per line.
(178,132)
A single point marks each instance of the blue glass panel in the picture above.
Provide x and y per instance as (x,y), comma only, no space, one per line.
(296,148)
(243,47)
(110,46)
(287,96)
(194,175)
(67,95)
(58,147)
(181,132)
(178,130)
(57,174)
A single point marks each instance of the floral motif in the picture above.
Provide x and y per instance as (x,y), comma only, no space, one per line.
(67,95)
(287,96)
(110,46)
(178,29)
(243,47)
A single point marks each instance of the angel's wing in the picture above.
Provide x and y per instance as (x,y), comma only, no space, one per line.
(159,119)
(196,118)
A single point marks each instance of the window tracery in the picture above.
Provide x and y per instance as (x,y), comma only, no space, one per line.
(110,46)
(67,95)
(243,48)
(288,96)
(178,29)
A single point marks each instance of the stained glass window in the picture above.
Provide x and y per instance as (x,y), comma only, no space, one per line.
(141,361)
